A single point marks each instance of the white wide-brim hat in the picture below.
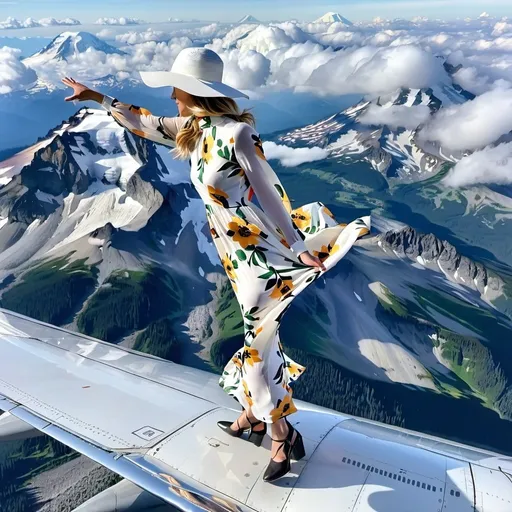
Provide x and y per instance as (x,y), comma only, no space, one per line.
(197,71)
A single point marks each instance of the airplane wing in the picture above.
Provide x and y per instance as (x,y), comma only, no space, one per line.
(154,423)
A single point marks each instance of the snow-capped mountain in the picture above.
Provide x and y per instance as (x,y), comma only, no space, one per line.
(396,152)
(333,17)
(67,45)
(90,174)
(249,18)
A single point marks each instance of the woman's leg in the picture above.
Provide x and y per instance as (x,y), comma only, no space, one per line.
(279,431)
(243,421)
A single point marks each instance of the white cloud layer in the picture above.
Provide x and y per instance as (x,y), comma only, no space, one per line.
(11,22)
(14,75)
(291,157)
(473,124)
(490,165)
(118,21)
(396,116)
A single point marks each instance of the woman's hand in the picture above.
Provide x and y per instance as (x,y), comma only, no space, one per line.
(308,259)
(80,91)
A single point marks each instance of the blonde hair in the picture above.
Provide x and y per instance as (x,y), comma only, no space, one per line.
(188,136)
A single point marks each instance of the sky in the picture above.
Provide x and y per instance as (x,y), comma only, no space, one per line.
(265,10)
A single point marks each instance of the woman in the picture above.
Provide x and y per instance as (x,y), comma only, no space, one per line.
(270,252)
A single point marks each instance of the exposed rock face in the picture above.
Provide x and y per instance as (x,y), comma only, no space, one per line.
(413,245)
(102,237)
(144,193)
(54,169)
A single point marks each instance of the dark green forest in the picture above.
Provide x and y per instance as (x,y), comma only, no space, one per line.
(129,301)
(160,340)
(51,292)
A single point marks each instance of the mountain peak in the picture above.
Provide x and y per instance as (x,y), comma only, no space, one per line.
(333,17)
(249,18)
(68,44)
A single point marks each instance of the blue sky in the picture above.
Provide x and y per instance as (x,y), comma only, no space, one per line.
(232,10)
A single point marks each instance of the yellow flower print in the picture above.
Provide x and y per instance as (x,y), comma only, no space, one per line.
(247,393)
(301,217)
(228,267)
(283,408)
(237,362)
(232,140)
(283,289)
(217,195)
(364,231)
(214,233)
(144,111)
(207,148)
(251,355)
(325,251)
(242,232)
(295,370)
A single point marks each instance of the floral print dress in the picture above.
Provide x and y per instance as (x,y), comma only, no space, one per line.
(259,238)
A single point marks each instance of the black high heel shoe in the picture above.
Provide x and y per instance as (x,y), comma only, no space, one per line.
(255,436)
(293,450)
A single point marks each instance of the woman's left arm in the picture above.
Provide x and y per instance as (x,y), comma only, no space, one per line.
(141,122)
(265,183)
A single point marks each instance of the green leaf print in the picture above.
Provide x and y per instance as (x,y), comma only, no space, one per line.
(219,143)
(214,131)
(261,256)
(253,310)
(234,263)
(241,255)
(224,153)
(240,214)
(267,275)
(200,167)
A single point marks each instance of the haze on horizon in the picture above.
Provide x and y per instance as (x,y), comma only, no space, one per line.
(153,11)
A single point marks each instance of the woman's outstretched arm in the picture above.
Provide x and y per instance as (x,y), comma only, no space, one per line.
(137,120)
(265,183)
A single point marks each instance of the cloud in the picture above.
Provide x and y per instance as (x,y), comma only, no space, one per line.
(291,157)
(490,165)
(371,70)
(11,22)
(265,39)
(118,21)
(14,75)
(142,37)
(244,70)
(502,27)
(473,124)
(396,116)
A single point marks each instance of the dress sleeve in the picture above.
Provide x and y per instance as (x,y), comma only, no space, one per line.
(266,184)
(141,122)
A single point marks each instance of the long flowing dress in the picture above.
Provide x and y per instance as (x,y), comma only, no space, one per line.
(258,245)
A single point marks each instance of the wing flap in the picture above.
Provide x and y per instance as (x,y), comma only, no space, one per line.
(109,407)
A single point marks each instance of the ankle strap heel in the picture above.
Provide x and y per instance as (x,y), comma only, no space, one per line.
(256,436)
(298,451)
